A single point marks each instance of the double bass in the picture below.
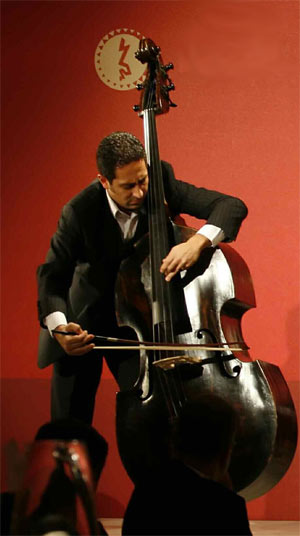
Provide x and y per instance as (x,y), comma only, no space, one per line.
(194,322)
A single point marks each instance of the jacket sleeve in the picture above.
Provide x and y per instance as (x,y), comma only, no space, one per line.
(224,211)
(55,276)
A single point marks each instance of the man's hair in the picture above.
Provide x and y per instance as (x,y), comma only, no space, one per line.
(117,150)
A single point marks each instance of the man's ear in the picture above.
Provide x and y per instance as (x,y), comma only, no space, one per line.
(104,181)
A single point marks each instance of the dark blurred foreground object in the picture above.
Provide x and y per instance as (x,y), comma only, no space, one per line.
(7,504)
(187,496)
(57,493)
(69,429)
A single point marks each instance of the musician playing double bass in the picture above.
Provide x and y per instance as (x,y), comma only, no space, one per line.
(97,229)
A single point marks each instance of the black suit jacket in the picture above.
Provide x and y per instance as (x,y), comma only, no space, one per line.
(79,273)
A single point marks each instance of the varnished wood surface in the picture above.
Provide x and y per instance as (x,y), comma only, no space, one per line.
(258,528)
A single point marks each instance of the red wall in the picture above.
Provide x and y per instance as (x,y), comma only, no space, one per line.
(236,129)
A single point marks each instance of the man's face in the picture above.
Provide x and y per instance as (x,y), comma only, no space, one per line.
(129,187)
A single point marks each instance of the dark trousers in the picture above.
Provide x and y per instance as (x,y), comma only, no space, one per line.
(75,381)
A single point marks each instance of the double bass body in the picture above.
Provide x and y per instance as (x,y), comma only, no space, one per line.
(217,295)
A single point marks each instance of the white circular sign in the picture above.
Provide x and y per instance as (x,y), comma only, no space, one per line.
(115,60)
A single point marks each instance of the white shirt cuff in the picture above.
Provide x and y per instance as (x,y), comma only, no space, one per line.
(213,233)
(53,320)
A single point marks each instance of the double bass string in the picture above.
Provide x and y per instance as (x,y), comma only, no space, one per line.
(159,248)
(159,244)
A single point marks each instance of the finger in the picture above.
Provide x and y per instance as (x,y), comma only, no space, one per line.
(81,351)
(79,339)
(74,327)
(177,268)
(170,276)
(163,266)
(84,336)
(169,265)
(74,342)
(89,338)
(75,347)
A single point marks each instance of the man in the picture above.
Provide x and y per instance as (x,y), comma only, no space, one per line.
(96,231)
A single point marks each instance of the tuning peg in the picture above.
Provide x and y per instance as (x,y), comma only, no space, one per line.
(170,87)
(168,67)
(139,86)
(136,108)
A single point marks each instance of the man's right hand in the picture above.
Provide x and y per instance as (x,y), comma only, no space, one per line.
(78,344)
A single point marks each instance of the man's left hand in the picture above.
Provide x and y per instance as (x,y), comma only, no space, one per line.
(183,256)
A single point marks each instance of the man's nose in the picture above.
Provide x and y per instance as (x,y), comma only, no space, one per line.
(138,192)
